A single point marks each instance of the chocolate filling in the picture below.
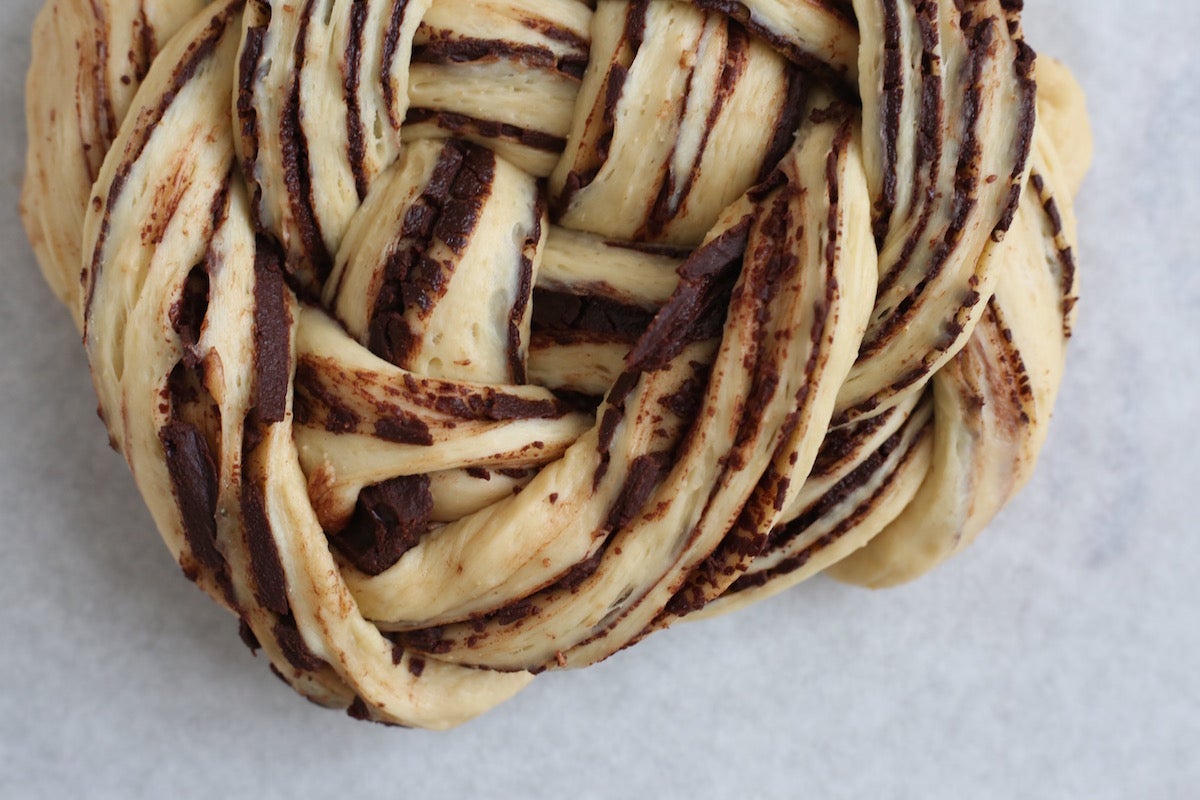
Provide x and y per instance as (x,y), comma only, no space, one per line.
(890,106)
(356,136)
(555,311)
(194,478)
(447,210)
(389,520)
(297,170)
(786,125)
(246,634)
(697,309)
(1024,67)
(1066,265)
(272,334)
(460,51)
(404,429)
(466,126)
(270,581)
(391,42)
(319,381)
(187,313)
(292,644)
(645,473)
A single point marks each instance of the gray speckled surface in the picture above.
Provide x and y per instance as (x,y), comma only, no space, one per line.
(1056,659)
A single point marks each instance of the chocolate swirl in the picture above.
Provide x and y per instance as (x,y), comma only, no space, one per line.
(452,341)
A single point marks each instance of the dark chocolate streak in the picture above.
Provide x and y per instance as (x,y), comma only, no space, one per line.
(103,116)
(1027,86)
(685,402)
(270,581)
(246,634)
(1065,255)
(247,115)
(784,535)
(556,33)
(770,270)
(297,171)
(427,640)
(198,52)
(842,444)
(930,144)
(460,51)
(891,101)
(614,412)
(465,126)
(571,580)
(558,311)
(460,214)
(389,520)
(1015,380)
(148,46)
(645,473)
(315,404)
(696,310)
(321,384)
(447,210)
(635,23)
(352,75)
(779,263)
(391,41)
(292,645)
(677,252)
(789,119)
(272,334)
(403,429)
(194,479)
(434,641)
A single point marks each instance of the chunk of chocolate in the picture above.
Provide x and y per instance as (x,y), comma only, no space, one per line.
(389,520)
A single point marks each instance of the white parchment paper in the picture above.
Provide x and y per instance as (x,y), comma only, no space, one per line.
(1057,659)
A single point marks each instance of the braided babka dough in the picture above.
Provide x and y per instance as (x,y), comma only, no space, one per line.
(450,341)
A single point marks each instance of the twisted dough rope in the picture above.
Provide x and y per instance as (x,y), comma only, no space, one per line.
(454,340)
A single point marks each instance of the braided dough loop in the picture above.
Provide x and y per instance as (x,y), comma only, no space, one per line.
(450,341)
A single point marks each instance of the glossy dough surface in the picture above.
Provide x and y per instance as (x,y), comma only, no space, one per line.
(450,341)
